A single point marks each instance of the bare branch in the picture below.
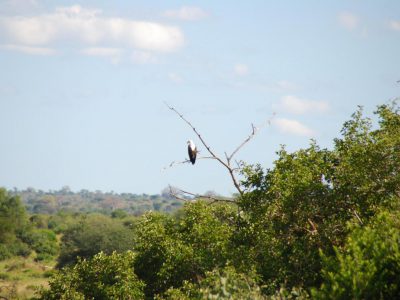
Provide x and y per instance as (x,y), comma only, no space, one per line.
(225,164)
(254,131)
(173,163)
(175,195)
(194,129)
(196,196)
(226,156)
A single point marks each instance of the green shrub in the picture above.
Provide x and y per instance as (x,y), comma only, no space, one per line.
(93,234)
(43,241)
(4,276)
(172,250)
(225,283)
(4,252)
(21,249)
(368,267)
(102,277)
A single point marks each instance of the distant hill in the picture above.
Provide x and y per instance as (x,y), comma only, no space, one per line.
(50,202)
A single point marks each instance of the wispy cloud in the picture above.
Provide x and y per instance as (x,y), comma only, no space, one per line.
(33,50)
(186,13)
(241,69)
(395,25)
(294,127)
(348,20)
(102,51)
(88,28)
(295,105)
(114,54)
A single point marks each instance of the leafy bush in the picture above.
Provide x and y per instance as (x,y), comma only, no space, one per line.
(12,216)
(4,276)
(20,248)
(102,277)
(93,234)
(13,221)
(225,283)
(171,250)
(4,252)
(43,241)
(368,267)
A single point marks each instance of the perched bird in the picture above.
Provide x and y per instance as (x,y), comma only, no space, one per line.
(192,150)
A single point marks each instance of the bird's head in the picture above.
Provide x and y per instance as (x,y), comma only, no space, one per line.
(191,144)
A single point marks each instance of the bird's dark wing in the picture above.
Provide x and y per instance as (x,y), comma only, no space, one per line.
(192,154)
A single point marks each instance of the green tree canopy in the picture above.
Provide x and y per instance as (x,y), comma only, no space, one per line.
(103,277)
(92,234)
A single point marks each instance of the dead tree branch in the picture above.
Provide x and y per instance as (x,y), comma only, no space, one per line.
(196,196)
(227,164)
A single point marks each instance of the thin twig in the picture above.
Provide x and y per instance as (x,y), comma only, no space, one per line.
(176,196)
(358,217)
(254,131)
(173,163)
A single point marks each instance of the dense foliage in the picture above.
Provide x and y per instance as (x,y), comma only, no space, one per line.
(102,277)
(171,250)
(19,236)
(368,267)
(93,234)
(302,205)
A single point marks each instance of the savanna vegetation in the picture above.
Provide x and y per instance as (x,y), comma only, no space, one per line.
(319,224)
(84,201)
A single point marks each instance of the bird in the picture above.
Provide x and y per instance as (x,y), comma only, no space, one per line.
(192,150)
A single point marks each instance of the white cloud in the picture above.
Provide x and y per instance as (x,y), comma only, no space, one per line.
(102,51)
(114,54)
(29,49)
(295,105)
(175,78)
(241,69)
(395,25)
(292,127)
(348,20)
(89,28)
(186,13)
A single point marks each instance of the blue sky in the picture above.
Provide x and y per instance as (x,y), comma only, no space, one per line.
(83,85)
